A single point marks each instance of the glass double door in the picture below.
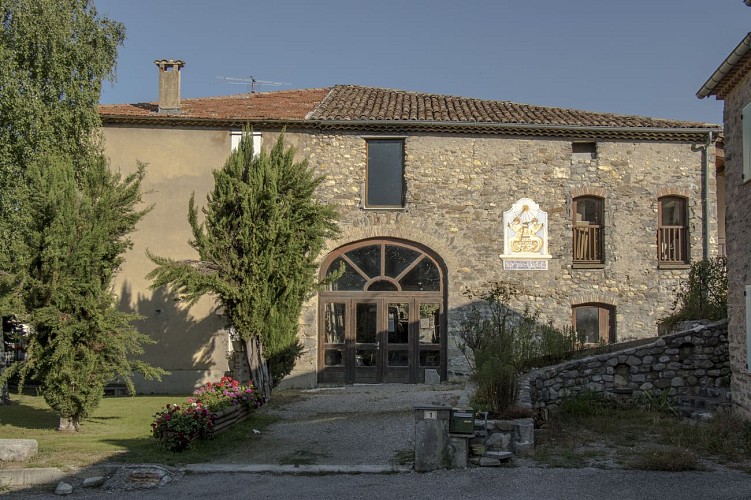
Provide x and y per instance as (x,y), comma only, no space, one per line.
(381,343)
(383,340)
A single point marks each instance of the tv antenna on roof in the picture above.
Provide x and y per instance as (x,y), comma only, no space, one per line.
(250,82)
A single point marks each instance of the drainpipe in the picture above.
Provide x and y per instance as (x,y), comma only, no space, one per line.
(705,245)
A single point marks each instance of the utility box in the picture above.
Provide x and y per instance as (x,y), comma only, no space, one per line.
(462,421)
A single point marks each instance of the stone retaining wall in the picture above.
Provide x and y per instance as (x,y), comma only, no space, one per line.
(692,366)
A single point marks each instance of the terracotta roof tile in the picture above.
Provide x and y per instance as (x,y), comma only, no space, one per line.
(280,105)
(347,103)
(351,102)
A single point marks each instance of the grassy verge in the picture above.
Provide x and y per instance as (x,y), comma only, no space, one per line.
(118,431)
(593,432)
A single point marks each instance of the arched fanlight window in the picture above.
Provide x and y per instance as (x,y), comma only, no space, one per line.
(383,266)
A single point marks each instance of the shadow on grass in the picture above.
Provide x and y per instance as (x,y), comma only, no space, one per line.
(102,418)
(149,450)
(26,416)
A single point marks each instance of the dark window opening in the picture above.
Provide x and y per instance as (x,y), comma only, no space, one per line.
(385,175)
(586,151)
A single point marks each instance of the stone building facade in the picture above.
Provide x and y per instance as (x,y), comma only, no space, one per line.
(422,183)
(731,82)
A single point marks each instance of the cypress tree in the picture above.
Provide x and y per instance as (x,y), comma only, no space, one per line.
(79,230)
(257,247)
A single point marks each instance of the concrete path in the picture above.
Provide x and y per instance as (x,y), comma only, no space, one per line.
(362,425)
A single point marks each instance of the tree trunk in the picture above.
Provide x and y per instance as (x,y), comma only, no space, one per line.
(68,424)
(259,369)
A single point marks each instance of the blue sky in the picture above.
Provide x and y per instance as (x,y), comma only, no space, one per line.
(640,57)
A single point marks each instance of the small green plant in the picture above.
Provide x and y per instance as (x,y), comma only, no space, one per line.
(651,401)
(703,296)
(499,343)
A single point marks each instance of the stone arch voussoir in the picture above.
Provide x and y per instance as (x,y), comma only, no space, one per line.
(673,191)
(594,298)
(404,231)
(599,192)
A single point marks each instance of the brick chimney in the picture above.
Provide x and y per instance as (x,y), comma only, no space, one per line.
(169,85)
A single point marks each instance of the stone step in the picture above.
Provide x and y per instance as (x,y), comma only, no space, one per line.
(17,450)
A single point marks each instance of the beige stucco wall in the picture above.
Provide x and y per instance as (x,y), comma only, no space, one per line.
(457,190)
(191,342)
(738,236)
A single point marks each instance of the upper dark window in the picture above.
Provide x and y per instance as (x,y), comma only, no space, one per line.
(584,151)
(672,230)
(588,230)
(385,176)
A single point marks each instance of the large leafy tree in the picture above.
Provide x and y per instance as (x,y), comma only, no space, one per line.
(257,248)
(54,55)
(64,217)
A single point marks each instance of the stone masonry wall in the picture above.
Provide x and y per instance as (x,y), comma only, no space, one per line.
(692,365)
(457,188)
(738,234)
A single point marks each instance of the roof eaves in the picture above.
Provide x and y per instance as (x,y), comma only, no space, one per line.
(714,85)
(548,130)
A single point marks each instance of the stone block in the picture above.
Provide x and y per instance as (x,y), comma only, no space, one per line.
(633,361)
(524,430)
(489,462)
(432,377)
(498,441)
(63,488)
(17,450)
(504,425)
(93,482)
(29,477)
(500,455)
(459,451)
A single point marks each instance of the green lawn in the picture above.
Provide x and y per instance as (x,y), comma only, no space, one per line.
(118,431)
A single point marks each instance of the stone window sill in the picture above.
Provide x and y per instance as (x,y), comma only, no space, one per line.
(587,266)
(384,209)
(668,266)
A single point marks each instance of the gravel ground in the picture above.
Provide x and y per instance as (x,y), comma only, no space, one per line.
(352,425)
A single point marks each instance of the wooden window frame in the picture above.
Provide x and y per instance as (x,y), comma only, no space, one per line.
(588,240)
(415,372)
(673,240)
(606,314)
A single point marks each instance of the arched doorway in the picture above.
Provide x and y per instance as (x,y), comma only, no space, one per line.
(382,320)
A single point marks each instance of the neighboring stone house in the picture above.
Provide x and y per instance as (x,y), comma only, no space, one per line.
(593,217)
(731,82)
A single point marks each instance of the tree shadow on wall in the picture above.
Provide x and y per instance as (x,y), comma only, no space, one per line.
(182,343)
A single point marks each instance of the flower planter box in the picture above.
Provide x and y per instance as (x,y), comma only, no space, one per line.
(226,418)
